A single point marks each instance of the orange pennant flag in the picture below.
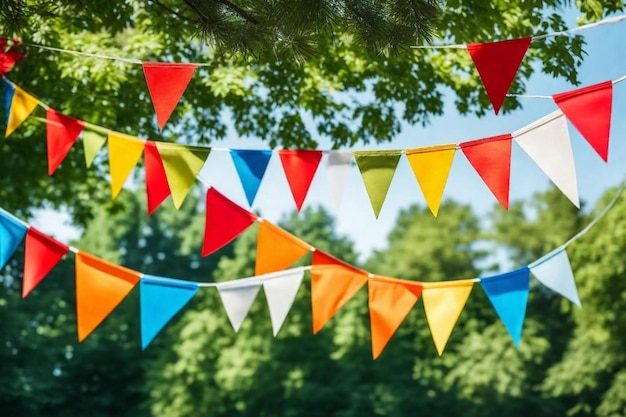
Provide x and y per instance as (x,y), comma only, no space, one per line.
(390,301)
(124,152)
(431,166)
(333,284)
(443,303)
(277,249)
(100,287)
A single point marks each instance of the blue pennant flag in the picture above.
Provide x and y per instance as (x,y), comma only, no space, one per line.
(251,166)
(160,299)
(508,294)
(12,233)
(9,92)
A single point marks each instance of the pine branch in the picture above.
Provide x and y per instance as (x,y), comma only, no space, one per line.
(239,11)
(172,11)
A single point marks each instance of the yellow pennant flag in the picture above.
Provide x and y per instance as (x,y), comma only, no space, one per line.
(182,164)
(92,143)
(431,166)
(124,152)
(22,105)
(443,303)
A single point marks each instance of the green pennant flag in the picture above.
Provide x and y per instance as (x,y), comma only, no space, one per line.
(377,169)
(92,143)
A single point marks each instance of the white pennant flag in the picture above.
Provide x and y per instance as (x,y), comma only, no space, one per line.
(547,142)
(237,297)
(338,168)
(280,293)
(555,272)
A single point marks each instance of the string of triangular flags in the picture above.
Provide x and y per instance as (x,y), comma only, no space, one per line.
(101,285)
(497,64)
(171,169)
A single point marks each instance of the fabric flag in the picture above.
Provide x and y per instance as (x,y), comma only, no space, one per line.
(225,221)
(159,300)
(300,167)
(280,292)
(12,233)
(443,303)
(497,63)
(547,142)
(100,287)
(237,297)
(251,166)
(61,134)
(589,110)
(337,169)
(157,187)
(390,301)
(18,106)
(182,165)
(491,158)
(166,82)
(508,294)
(431,166)
(555,272)
(377,169)
(92,143)
(333,284)
(42,254)
(277,249)
(124,152)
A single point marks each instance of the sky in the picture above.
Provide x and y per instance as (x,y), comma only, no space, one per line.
(605,60)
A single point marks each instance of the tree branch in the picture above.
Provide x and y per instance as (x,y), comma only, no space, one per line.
(172,11)
(241,12)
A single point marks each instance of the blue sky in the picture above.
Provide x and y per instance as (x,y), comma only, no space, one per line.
(605,60)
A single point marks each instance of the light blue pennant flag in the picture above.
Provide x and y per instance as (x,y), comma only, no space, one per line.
(12,233)
(160,300)
(555,272)
(251,166)
(508,294)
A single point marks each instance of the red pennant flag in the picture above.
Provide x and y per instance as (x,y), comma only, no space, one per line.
(225,221)
(497,63)
(491,158)
(300,167)
(167,83)
(42,254)
(589,110)
(61,134)
(157,187)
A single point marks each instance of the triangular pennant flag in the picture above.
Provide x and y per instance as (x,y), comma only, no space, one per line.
(555,272)
(182,164)
(338,168)
(159,300)
(431,166)
(589,110)
(277,249)
(377,169)
(508,294)
(124,152)
(167,83)
(497,63)
(299,167)
(100,287)
(547,142)
(389,303)
(237,298)
(443,303)
(12,233)
(61,134)
(333,284)
(8,92)
(225,221)
(491,158)
(42,254)
(251,166)
(280,293)
(92,143)
(21,106)
(157,187)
